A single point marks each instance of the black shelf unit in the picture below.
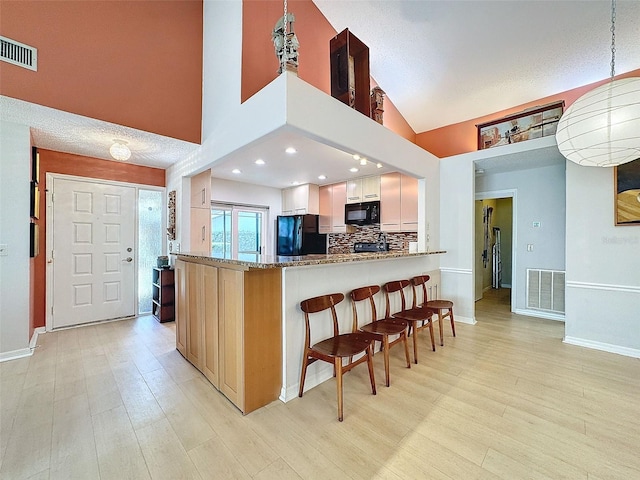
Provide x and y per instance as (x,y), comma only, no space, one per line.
(163,294)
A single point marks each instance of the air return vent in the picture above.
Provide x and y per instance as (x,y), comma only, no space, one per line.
(18,54)
(545,290)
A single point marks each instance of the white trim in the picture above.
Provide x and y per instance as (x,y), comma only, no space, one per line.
(604,286)
(457,271)
(605,347)
(467,320)
(539,314)
(15,354)
(34,339)
(288,394)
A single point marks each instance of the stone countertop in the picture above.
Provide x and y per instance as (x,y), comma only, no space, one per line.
(272,261)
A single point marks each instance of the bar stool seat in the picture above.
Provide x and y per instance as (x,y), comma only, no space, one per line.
(438,307)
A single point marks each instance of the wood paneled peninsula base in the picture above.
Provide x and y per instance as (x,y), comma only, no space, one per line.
(239,322)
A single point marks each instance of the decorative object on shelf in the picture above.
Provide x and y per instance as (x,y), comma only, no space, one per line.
(285,42)
(627,188)
(34,240)
(120,151)
(35,165)
(163,261)
(535,122)
(377,104)
(350,81)
(35,200)
(602,127)
(171,204)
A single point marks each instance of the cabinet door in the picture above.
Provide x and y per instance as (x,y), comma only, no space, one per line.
(230,296)
(181,307)
(371,188)
(201,190)
(195,337)
(408,204)
(201,230)
(354,190)
(324,223)
(338,197)
(288,201)
(210,327)
(390,202)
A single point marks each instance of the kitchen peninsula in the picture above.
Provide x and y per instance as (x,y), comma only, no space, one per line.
(239,322)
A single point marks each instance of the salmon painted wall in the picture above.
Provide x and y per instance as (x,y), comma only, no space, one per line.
(133,63)
(463,137)
(79,166)
(314,32)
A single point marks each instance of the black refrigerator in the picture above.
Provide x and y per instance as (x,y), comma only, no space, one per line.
(298,235)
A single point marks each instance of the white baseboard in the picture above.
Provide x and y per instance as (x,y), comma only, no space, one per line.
(538,314)
(461,319)
(605,347)
(34,338)
(287,394)
(23,352)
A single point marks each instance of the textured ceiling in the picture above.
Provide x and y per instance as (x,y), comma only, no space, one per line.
(53,129)
(443,62)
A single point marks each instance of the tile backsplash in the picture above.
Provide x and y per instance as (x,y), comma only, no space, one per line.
(343,242)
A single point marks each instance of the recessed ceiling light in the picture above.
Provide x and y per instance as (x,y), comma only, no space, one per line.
(363,161)
(356,156)
(291,150)
(353,170)
(379,165)
(259,162)
(295,183)
(236,171)
(322,177)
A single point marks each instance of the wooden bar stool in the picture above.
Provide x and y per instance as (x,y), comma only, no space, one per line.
(335,348)
(417,318)
(381,329)
(437,306)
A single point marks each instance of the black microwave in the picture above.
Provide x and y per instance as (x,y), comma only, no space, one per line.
(365,213)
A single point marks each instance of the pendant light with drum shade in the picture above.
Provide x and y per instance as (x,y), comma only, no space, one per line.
(602,127)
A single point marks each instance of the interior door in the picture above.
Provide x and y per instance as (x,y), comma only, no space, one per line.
(93,252)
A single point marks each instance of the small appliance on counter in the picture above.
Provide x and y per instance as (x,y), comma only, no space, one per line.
(361,247)
(298,235)
(365,213)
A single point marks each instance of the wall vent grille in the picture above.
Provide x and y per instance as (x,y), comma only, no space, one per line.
(545,290)
(18,54)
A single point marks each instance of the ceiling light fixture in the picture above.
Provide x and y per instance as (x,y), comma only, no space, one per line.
(322,177)
(259,162)
(356,156)
(236,171)
(290,150)
(120,151)
(353,170)
(363,161)
(602,127)
(295,182)
(379,165)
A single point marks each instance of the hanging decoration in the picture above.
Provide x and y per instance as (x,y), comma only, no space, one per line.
(285,42)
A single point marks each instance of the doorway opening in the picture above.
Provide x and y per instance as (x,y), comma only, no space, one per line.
(494,246)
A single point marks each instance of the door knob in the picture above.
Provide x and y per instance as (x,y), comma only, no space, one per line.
(128,259)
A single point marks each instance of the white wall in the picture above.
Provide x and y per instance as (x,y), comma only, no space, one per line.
(15,167)
(248,194)
(603,266)
(540,194)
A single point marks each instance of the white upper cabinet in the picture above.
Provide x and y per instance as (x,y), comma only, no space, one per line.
(300,200)
(365,189)
(399,203)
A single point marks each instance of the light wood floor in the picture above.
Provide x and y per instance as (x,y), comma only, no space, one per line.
(506,399)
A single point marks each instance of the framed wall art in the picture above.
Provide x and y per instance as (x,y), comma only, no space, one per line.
(536,122)
(627,193)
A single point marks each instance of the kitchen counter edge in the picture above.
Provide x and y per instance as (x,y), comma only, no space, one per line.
(267,261)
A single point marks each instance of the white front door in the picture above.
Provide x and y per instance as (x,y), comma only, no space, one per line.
(93,252)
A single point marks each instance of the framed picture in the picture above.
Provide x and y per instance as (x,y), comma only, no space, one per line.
(35,200)
(34,236)
(627,193)
(535,122)
(35,165)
